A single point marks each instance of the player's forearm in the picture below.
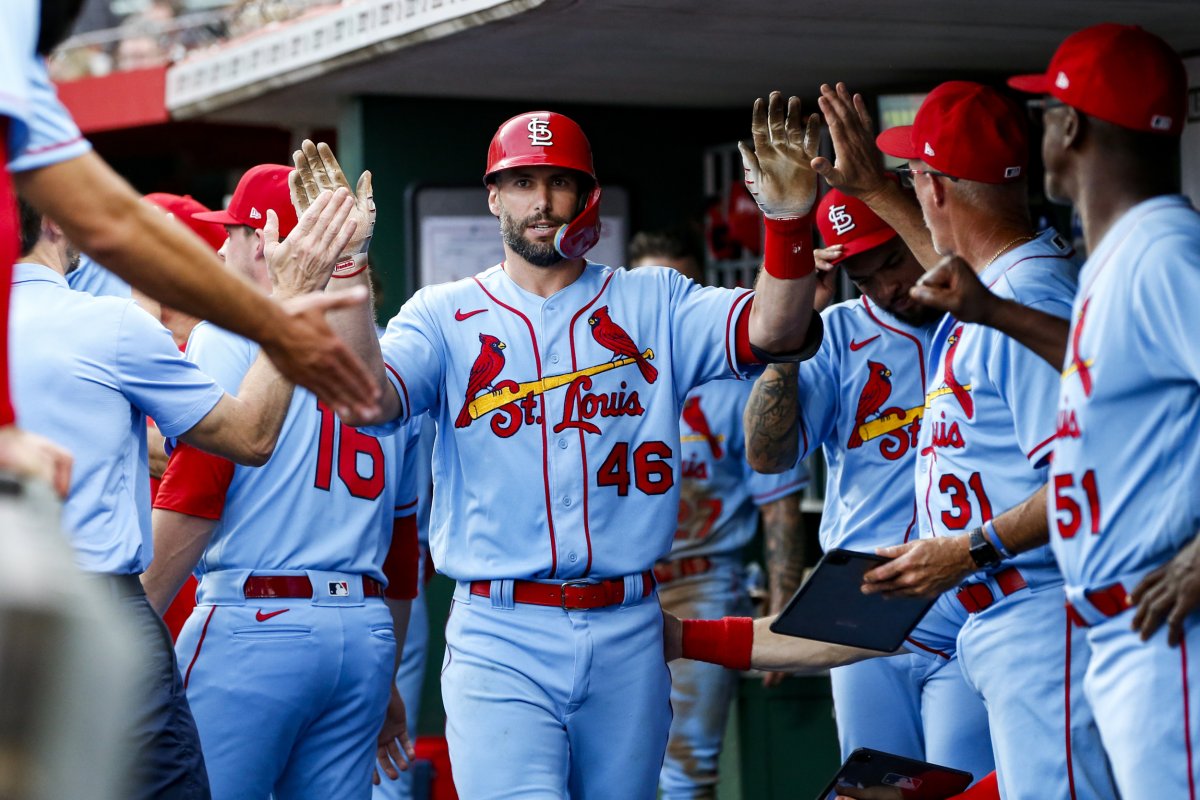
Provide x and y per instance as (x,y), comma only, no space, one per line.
(245,429)
(179,541)
(783,535)
(156,451)
(772,419)
(901,211)
(773,651)
(1024,526)
(356,327)
(401,611)
(104,217)
(1044,334)
(780,314)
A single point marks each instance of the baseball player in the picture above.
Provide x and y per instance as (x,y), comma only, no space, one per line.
(53,167)
(721,499)
(291,650)
(861,399)
(1125,464)
(557,385)
(985,438)
(72,351)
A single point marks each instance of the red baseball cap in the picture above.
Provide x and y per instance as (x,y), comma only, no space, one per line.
(261,188)
(847,221)
(1118,73)
(183,208)
(967,130)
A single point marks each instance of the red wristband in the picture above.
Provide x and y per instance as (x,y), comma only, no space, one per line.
(787,247)
(725,641)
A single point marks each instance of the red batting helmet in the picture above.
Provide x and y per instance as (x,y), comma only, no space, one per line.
(547,139)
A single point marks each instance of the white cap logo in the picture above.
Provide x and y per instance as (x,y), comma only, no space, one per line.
(1012,172)
(1160,123)
(539,132)
(254,213)
(842,222)
(1062,81)
(929,150)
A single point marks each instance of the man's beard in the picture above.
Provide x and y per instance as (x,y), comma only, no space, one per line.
(72,260)
(539,254)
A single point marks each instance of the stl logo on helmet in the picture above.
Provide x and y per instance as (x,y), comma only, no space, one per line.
(841,221)
(540,134)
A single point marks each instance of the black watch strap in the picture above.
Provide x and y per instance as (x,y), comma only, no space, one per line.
(983,552)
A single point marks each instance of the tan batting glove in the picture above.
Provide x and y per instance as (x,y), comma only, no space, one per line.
(317,170)
(778,170)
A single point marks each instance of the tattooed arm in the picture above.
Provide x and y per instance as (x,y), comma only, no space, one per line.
(771,420)
(783,534)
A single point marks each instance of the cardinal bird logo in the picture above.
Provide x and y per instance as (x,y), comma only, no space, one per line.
(874,394)
(693,415)
(613,337)
(960,394)
(1082,367)
(487,366)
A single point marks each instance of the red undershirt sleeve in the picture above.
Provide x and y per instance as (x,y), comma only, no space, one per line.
(195,483)
(402,566)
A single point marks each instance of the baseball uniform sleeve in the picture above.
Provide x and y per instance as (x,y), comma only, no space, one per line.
(224,356)
(704,331)
(18,36)
(1163,291)
(1028,385)
(818,400)
(413,359)
(52,134)
(156,378)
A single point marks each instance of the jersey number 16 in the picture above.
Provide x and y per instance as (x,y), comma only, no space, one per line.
(349,443)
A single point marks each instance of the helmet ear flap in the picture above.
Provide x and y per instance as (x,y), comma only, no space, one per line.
(582,233)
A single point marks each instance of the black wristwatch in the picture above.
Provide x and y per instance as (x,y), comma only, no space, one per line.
(983,552)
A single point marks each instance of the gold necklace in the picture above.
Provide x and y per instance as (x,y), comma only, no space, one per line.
(1019,240)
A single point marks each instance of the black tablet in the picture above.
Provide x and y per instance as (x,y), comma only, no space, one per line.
(830,606)
(896,778)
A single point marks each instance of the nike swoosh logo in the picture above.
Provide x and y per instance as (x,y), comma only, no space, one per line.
(261,617)
(856,346)
(460,316)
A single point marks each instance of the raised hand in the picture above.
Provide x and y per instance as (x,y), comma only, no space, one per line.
(856,169)
(778,170)
(304,261)
(952,286)
(826,275)
(318,170)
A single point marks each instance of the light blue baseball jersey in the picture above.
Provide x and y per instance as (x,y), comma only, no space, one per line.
(85,373)
(1123,482)
(18,41)
(989,411)
(862,398)
(322,501)
(567,469)
(720,493)
(51,136)
(96,280)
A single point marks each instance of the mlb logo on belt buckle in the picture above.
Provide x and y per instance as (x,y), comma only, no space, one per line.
(339,589)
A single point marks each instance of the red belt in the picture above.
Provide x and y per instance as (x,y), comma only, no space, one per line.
(975,597)
(667,571)
(1109,601)
(289,586)
(571,595)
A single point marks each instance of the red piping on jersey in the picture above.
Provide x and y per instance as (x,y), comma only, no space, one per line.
(913,521)
(926,648)
(729,357)
(407,411)
(928,489)
(905,334)
(779,492)
(1067,706)
(48,147)
(587,531)
(537,356)
(203,632)
(1042,444)
(407,505)
(1187,725)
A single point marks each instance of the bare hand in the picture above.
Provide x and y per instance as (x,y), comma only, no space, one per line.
(304,261)
(31,456)
(922,568)
(952,286)
(826,276)
(778,171)
(317,170)
(393,749)
(1170,593)
(856,169)
(672,637)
